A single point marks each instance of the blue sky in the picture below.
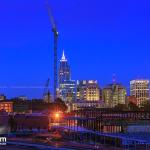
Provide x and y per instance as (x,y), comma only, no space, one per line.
(100,38)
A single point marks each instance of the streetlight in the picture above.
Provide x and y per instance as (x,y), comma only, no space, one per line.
(57,115)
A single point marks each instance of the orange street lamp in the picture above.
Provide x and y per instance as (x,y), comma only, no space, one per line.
(57,115)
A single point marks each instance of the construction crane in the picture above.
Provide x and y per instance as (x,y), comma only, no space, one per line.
(46,93)
(55,32)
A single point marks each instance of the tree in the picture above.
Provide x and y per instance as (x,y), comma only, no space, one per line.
(121,107)
(133,107)
(59,104)
(146,106)
(12,123)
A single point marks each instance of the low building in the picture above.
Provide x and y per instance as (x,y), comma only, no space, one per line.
(24,98)
(2,97)
(6,106)
(20,107)
(87,104)
(29,122)
(4,122)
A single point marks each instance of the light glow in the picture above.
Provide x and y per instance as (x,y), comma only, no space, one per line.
(57,115)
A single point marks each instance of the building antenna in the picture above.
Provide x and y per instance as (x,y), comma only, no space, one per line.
(114,78)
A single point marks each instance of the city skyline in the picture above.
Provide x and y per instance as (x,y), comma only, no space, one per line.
(75,75)
(41,87)
(26,42)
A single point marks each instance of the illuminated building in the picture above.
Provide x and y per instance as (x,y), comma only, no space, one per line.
(24,98)
(140,89)
(88,90)
(114,94)
(64,70)
(67,90)
(6,106)
(67,87)
(87,104)
(2,97)
(81,89)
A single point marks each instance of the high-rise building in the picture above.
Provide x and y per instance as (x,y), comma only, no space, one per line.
(140,90)
(88,90)
(67,87)
(67,90)
(64,70)
(114,94)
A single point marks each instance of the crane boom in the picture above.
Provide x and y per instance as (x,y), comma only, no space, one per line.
(52,21)
(55,32)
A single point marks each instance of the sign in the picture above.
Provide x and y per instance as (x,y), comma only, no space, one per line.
(3,140)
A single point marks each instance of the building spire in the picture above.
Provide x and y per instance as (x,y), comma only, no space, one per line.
(63,58)
(114,78)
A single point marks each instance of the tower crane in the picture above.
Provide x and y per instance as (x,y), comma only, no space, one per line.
(46,93)
(55,33)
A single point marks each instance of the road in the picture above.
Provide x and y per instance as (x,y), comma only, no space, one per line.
(41,140)
(14,147)
(52,146)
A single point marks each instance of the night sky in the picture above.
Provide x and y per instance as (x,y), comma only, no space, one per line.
(100,38)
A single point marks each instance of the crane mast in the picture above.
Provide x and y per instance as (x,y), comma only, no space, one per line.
(55,32)
(55,62)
